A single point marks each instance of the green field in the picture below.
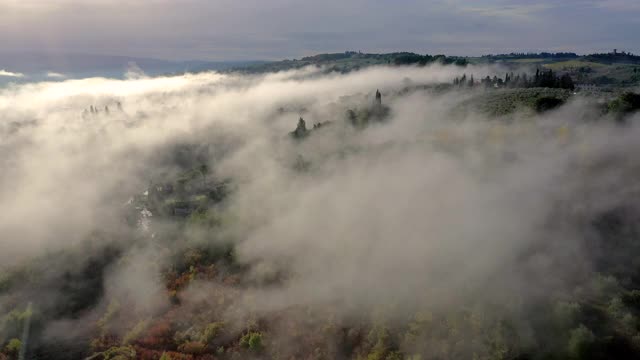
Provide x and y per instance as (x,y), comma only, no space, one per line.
(573,64)
(509,101)
(530,61)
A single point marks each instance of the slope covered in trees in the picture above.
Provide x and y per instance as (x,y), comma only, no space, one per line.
(351,60)
(351,216)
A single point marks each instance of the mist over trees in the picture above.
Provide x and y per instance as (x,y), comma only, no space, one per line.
(541,78)
(382,213)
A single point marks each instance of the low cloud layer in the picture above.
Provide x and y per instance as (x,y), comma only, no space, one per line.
(433,206)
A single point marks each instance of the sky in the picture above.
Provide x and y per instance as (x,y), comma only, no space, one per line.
(278,29)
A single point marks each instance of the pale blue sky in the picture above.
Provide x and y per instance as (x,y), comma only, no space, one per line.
(274,29)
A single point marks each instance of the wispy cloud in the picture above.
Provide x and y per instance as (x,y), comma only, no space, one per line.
(618,5)
(56,75)
(5,73)
(518,12)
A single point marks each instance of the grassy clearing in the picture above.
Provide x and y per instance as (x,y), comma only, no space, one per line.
(508,101)
(528,61)
(573,64)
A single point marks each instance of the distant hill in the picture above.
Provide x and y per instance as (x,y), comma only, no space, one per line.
(351,60)
(606,69)
(613,57)
(610,69)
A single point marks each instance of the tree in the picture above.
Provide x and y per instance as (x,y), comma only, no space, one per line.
(625,103)
(566,82)
(204,170)
(252,341)
(14,346)
(301,130)
(487,81)
(210,332)
(580,342)
(547,103)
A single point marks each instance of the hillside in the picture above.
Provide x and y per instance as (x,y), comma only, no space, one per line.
(351,61)
(604,70)
(380,214)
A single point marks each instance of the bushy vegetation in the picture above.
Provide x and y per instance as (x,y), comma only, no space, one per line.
(625,104)
(252,341)
(13,347)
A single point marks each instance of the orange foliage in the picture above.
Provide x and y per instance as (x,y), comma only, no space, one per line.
(146,354)
(193,347)
(206,357)
(158,336)
(231,280)
(103,343)
(176,283)
(209,272)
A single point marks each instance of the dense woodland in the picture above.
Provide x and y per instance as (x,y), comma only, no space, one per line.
(542,79)
(610,58)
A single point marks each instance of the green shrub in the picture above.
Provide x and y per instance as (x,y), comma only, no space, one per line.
(380,337)
(14,346)
(566,314)
(547,103)
(632,298)
(12,323)
(603,287)
(625,103)
(252,341)
(5,281)
(112,311)
(136,332)
(210,332)
(616,308)
(120,353)
(502,340)
(394,355)
(581,340)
